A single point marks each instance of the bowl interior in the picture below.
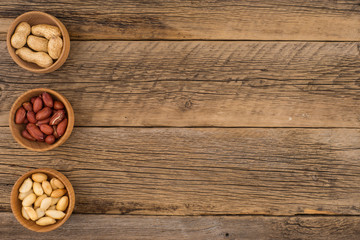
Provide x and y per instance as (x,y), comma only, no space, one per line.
(34,18)
(17,128)
(16,203)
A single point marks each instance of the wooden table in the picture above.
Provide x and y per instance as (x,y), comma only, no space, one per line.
(199,120)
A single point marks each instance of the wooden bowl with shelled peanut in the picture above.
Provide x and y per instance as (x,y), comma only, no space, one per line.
(19,127)
(42,199)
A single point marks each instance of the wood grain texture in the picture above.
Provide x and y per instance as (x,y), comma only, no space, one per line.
(168,19)
(199,171)
(225,84)
(87,226)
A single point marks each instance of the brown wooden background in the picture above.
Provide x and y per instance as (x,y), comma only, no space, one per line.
(199,120)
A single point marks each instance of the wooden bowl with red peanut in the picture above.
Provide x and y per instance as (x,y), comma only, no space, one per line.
(41,119)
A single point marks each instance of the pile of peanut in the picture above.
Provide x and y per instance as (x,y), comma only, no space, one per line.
(43,201)
(45,119)
(46,41)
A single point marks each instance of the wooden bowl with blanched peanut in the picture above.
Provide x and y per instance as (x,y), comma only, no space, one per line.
(38,42)
(42,199)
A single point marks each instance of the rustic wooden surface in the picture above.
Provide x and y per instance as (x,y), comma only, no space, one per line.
(201,171)
(224,84)
(237,138)
(193,20)
(86,226)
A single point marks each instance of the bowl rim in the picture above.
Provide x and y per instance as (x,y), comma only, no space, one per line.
(64,53)
(70,115)
(47,171)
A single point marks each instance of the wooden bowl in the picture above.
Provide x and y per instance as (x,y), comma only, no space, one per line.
(16,203)
(34,18)
(16,129)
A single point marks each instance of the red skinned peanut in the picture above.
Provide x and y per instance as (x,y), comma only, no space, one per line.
(20,115)
(28,106)
(32,100)
(31,117)
(38,104)
(58,105)
(35,132)
(50,139)
(47,99)
(61,127)
(44,121)
(43,113)
(56,135)
(48,130)
(27,135)
(57,117)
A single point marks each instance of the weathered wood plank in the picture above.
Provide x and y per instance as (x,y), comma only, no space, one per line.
(200,171)
(89,226)
(179,19)
(230,84)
